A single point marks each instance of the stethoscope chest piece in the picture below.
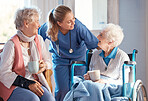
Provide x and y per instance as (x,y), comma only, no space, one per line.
(70,50)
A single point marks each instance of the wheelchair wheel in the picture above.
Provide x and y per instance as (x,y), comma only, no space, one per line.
(139,92)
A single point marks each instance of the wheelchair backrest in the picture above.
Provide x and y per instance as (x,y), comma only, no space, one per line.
(89,55)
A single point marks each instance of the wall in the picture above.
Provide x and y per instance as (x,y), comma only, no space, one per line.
(132,18)
(45,6)
(146,4)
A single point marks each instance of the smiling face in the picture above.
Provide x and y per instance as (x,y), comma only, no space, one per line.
(68,22)
(103,42)
(32,27)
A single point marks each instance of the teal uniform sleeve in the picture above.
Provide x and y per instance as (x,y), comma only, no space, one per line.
(43,30)
(85,35)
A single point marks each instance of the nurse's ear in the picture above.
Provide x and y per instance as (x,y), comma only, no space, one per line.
(59,23)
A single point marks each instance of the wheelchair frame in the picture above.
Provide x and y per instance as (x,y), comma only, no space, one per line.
(134,90)
(80,63)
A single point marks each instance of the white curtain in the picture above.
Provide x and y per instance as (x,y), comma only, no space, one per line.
(45,6)
(70,4)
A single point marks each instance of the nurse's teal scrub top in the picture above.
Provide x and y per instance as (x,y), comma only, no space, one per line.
(81,39)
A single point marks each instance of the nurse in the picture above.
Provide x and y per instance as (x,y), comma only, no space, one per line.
(67,39)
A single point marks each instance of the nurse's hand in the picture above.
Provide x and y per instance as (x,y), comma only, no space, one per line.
(98,48)
(42,66)
(86,76)
(36,88)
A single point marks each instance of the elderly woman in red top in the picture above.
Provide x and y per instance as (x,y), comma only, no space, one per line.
(16,82)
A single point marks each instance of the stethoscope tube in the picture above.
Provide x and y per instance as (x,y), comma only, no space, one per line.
(70,50)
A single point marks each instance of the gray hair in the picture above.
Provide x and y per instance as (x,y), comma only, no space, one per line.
(25,14)
(114,33)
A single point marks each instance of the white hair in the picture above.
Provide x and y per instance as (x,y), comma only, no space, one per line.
(114,33)
(27,14)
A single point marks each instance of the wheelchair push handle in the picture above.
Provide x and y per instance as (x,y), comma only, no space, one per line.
(132,57)
(135,50)
(134,54)
(132,78)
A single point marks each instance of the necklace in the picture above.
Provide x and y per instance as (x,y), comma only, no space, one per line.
(24,44)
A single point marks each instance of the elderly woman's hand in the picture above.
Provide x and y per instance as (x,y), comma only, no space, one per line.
(42,66)
(86,76)
(36,88)
(1,50)
(100,81)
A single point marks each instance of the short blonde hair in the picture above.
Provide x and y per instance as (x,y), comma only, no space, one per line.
(27,14)
(114,33)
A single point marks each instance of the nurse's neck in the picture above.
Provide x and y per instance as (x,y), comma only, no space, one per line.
(64,31)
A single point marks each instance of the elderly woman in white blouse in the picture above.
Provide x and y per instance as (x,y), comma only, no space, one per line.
(110,59)
(17,83)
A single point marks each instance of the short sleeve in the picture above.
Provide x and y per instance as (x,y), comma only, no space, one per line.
(43,30)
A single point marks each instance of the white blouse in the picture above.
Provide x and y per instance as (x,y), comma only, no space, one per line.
(7,76)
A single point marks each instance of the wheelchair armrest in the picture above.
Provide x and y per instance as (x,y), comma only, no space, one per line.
(130,62)
(78,62)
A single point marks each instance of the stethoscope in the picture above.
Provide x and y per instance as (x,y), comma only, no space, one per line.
(70,50)
(57,44)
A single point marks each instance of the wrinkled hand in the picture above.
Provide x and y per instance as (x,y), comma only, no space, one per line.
(98,48)
(1,50)
(36,88)
(42,66)
(86,76)
(100,81)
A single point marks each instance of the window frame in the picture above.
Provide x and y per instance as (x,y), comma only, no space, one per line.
(112,11)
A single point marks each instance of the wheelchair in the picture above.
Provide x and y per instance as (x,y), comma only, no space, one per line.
(133,90)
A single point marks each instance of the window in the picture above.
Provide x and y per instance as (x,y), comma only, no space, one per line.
(109,12)
(8,9)
(93,14)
